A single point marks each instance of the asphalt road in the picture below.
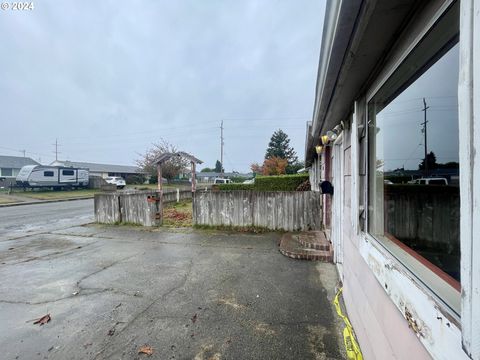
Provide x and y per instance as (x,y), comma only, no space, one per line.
(16,221)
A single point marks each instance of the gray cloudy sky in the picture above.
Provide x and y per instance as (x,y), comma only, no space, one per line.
(109,78)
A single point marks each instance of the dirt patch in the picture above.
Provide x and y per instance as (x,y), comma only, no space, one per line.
(178,214)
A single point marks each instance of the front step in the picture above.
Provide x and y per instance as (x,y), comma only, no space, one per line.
(307,246)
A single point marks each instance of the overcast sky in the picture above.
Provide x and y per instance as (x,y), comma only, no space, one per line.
(400,140)
(109,78)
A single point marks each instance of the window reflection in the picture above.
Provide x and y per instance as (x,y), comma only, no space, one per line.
(414,167)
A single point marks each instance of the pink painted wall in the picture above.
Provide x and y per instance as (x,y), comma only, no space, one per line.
(382,331)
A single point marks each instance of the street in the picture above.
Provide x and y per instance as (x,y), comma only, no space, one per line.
(16,221)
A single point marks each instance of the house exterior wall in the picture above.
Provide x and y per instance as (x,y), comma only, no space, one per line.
(381,329)
(394,315)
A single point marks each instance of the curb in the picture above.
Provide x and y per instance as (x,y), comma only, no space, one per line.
(44,201)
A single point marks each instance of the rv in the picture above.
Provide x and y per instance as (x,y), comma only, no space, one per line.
(40,176)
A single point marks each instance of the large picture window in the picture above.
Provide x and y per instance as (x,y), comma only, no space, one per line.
(414,195)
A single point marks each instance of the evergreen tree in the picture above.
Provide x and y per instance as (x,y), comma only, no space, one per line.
(431,162)
(279,146)
(218,167)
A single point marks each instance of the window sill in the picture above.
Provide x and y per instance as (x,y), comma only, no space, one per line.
(445,295)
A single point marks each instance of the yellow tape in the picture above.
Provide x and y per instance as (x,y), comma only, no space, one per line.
(351,345)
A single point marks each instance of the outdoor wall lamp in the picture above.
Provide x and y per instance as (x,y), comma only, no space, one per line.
(332,135)
(325,139)
(319,149)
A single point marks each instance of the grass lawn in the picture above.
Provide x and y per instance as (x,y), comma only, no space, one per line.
(56,195)
(5,200)
(178,214)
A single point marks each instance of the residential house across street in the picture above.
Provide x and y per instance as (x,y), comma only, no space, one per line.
(10,166)
(102,170)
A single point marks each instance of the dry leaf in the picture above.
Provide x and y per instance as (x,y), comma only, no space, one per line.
(145,349)
(194,318)
(43,320)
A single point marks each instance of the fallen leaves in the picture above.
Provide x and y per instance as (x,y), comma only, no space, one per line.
(194,318)
(177,216)
(43,320)
(145,349)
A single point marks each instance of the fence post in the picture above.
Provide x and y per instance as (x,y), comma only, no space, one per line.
(178,195)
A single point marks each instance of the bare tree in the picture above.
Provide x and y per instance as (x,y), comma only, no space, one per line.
(170,169)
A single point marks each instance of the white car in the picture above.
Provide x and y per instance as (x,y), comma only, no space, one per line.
(116,180)
(429,181)
(222,181)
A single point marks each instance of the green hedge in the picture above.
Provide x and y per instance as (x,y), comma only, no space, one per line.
(269,183)
(234,186)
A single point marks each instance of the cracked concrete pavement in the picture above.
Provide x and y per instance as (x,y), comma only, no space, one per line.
(188,294)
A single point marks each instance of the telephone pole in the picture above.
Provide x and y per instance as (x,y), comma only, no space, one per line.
(424,130)
(56,149)
(221,148)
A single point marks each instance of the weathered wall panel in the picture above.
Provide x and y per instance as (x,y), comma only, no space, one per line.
(107,208)
(279,210)
(135,207)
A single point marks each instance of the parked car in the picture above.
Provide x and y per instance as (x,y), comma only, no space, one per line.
(222,181)
(429,181)
(116,180)
(249,181)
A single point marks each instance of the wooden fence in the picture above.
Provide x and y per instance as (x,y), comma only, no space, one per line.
(276,210)
(142,207)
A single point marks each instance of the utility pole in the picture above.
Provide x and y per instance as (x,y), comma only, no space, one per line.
(56,149)
(221,148)
(424,130)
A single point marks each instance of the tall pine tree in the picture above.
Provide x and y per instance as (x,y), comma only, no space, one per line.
(279,146)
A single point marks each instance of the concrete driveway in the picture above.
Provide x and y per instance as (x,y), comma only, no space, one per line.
(188,294)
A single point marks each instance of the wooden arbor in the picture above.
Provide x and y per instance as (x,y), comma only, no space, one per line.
(161,159)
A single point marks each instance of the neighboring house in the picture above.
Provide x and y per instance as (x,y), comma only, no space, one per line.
(102,170)
(396,80)
(11,165)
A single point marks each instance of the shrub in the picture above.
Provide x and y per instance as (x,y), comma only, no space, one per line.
(279,183)
(270,183)
(305,186)
(234,186)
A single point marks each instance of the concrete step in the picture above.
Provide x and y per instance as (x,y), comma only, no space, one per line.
(291,246)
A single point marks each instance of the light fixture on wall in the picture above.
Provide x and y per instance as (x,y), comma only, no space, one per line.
(324,139)
(319,149)
(332,135)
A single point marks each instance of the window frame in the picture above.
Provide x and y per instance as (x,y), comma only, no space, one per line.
(46,173)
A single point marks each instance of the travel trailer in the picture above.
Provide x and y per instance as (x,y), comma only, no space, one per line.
(40,176)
